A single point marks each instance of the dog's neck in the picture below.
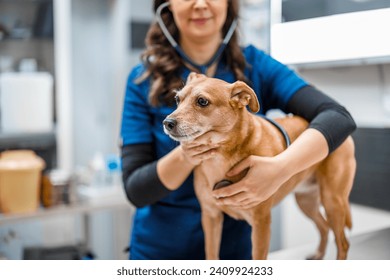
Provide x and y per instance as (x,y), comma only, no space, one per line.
(231,148)
(233,141)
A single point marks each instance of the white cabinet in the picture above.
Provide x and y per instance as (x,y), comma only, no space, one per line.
(36,34)
(344,39)
(327,33)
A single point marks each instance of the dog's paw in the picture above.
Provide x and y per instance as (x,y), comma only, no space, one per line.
(316,256)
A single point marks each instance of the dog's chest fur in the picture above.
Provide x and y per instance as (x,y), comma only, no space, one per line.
(211,172)
(214,170)
(217,167)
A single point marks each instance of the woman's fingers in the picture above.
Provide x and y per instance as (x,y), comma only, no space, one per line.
(197,154)
(241,166)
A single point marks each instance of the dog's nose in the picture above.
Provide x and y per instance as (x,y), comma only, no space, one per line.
(169,124)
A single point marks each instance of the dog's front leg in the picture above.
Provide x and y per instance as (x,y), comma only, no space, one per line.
(261,231)
(212,217)
(212,223)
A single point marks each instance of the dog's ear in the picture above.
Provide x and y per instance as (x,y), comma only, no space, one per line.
(243,95)
(193,75)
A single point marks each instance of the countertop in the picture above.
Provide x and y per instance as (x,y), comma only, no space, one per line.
(373,245)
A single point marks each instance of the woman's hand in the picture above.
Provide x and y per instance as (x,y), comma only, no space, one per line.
(182,161)
(266,174)
(264,177)
(199,149)
(174,168)
(195,152)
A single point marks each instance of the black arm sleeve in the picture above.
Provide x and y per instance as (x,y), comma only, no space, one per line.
(324,114)
(139,174)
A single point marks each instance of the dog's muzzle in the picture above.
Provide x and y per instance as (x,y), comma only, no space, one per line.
(170,124)
(179,132)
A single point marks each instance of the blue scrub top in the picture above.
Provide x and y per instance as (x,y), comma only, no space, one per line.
(171,228)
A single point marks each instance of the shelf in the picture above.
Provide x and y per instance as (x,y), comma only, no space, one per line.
(43,144)
(21,1)
(342,63)
(83,207)
(26,40)
(27,140)
(26,20)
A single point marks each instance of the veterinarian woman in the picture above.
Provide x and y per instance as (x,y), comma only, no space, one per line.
(201,36)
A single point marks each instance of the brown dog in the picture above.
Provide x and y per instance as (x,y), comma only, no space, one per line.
(215,107)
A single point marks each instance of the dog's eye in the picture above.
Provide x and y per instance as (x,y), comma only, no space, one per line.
(202,102)
(177,99)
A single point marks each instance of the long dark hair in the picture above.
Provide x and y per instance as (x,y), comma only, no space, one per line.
(164,64)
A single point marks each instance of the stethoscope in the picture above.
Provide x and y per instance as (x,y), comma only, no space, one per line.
(201,67)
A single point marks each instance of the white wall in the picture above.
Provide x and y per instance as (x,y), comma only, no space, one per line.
(92,96)
(101,63)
